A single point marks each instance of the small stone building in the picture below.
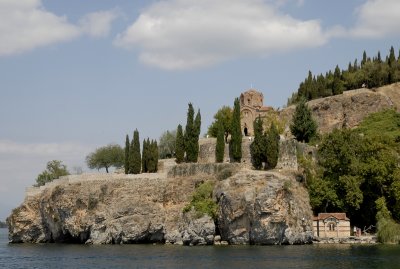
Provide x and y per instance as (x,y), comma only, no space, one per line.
(251,106)
(331,225)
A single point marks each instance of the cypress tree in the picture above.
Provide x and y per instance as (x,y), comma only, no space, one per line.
(154,153)
(303,126)
(196,134)
(190,132)
(271,147)
(179,146)
(131,158)
(258,145)
(136,158)
(127,148)
(235,145)
(220,147)
(145,157)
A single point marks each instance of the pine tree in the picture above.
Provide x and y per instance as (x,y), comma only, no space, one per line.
(154,154)
(136,158)
(303,126)
(337,86)
(127,149)
(180,145)
(220,147)
(272,147)
(235,145)
(257,147)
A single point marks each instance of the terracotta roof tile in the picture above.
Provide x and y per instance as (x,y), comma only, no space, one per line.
(339,216)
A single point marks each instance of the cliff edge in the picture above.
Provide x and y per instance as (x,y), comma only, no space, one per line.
(254,207)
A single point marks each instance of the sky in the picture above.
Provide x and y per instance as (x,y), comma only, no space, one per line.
(76,75)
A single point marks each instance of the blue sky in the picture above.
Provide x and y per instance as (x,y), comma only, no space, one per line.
(76,75)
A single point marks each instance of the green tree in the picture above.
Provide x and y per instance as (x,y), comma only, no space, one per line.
(271,147)
(235,145)
(153,152)
(136,160)
(54,169)
(180,145)
(303,126)
(166,145)
(108,156)
(220,146)
(257,147)
(145,156)
(189,133)
(127,148)
(223,117)
(196,135)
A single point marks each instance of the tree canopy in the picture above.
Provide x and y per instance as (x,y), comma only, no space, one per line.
(108,156)
(54,169)
(166,145)
(369,73)
(235,145)
(223,117)
(303,126)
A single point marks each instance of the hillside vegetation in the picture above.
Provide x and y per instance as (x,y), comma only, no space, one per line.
(357,171)
(369,73)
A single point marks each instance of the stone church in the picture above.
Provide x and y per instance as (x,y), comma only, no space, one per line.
(251,106)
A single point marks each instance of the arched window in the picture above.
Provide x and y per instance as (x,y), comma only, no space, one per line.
(332,226)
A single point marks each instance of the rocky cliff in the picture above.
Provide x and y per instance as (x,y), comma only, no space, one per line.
(254,208)
(347,110)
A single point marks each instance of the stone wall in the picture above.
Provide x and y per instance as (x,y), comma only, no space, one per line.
(287,152)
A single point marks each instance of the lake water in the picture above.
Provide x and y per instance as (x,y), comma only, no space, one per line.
(46,256)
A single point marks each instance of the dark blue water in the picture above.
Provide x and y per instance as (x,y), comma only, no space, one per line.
(46,256)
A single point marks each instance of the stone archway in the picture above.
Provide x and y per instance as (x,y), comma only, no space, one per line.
(245,131)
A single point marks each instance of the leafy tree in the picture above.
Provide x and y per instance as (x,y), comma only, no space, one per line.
(167,143)
(54,169)
(235,145)
(136,162)
(106,157)
(271,147)
(303,126)
(223,117)
(180,145)
(127,148)
(257,150)
(153,153)
(220,146)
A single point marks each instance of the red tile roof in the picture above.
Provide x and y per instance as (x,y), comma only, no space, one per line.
(339,216)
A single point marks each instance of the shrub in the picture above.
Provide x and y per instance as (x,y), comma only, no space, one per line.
(202,201)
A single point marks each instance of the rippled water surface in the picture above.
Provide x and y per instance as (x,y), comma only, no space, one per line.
(46,256)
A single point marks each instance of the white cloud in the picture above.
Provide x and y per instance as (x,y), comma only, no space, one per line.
(181,34)
(98,24)
(26,25)
(377,18)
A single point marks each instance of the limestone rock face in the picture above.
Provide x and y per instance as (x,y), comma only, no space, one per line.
(105,211)
(347,110)
(258,207)
(255,208)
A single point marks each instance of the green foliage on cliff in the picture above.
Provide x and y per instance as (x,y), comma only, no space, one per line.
(369,72)
(257,146)
(303,126)
(271,147)
(106,157)
(202,201)
(388,231)
(235,145)
(356,169)
(54,169)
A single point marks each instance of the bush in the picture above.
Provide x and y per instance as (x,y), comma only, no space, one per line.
(202,201)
